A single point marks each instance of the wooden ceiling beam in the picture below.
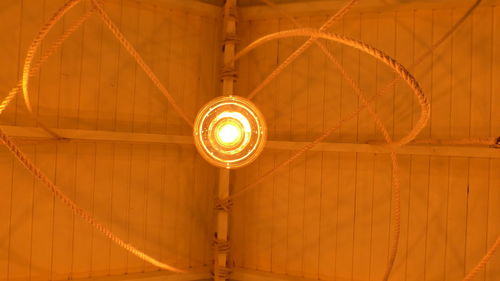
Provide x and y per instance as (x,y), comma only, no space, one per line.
(152,276)
(31,133)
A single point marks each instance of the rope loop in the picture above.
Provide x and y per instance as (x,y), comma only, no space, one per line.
(221,246)
(222,272)
(224,204)
(229,74)
(230,38)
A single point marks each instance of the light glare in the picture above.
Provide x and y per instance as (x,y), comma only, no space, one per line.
(229,134)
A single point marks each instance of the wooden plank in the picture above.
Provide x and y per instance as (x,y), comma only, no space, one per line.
(61,262)
(322,7)
(328,254)
(101,245)
(190,98)
(43,208)
(21,218)
(84,197)
(459,167)
(96,110)
(493,267)
(120,200)
(314,160)
(419,169)
(153,276)
(13,37)
(264,61)
(297,187)
(480,122)
(6,167)
(382,219)
(138,31)
(22,193)
(282,179)
(403,105)
(440,98)
(243,274)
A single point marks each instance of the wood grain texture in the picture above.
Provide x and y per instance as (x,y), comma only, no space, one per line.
(150,194)
(331,211)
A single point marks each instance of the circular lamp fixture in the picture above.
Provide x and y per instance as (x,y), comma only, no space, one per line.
(230,132)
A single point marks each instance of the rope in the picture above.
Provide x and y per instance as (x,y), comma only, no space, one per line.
(223,205)
(301,49)
(85,215)
(397,67)
(30,54)
(29,70)
(140,61)
(483,261)
(221,246)
(222,272)
(424,117)
(380,126)
(36,67)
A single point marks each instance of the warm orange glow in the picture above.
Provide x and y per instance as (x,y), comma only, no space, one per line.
(229,132)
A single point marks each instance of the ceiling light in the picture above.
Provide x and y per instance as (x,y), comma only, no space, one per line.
(230,132)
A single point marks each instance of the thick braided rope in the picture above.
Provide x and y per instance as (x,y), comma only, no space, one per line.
(470,276)
(140,61)
(329,55)
(27,71)
(86,216)
(378,122)
(301,49)
(393,156)
(35,44)
(396,201)
(381,56)
(30,54)
(299,152)
(48,53)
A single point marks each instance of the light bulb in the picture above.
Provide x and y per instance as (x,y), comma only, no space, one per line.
(229,132)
